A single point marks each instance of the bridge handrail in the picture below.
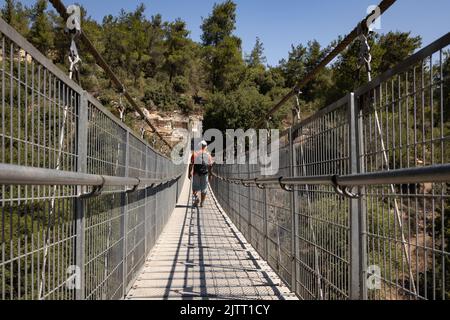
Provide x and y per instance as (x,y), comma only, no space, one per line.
(430,174)
(362,190)
(21,175)
(81,191)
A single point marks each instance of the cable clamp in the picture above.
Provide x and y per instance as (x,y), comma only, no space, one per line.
(260,186)
(96,191)
(344,191)
(247,185)
(134,189)
(283,186)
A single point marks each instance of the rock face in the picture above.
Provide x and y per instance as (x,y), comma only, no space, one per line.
(171,125)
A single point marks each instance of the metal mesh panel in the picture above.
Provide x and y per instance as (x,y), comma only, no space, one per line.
(392,242)
(321,147)
(104,247)
(106,145)
(49,122)
(405,124)
(37,128)
(279,220)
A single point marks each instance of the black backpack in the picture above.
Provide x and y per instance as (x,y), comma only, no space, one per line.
(201,169)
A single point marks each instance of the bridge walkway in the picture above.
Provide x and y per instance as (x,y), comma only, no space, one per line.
(202,256)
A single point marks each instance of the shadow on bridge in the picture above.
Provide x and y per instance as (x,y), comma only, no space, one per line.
(202,256)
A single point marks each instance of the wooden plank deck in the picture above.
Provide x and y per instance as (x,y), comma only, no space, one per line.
(202,256)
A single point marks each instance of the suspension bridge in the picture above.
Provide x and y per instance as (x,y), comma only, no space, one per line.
(358,210)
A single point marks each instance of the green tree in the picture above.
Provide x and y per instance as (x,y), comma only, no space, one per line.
(396,47)
(136,53)
(41,33)
(16,15)
(155,46)
(256,57)
(223,54)
(220,24)
(387,51)
(241,108)
(178,55)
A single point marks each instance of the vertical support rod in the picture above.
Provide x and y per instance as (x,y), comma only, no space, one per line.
(146,204)
(292,173)
(124,204)
(250,239)
(361,203)
(82,142)
(355,246)
(266,233)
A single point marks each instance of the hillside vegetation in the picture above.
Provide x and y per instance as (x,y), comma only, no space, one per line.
(165,70)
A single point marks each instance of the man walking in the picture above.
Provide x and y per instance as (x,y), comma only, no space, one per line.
(200,173)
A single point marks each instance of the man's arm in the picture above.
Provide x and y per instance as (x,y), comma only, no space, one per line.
(190,171)
(211,164)
(191,166)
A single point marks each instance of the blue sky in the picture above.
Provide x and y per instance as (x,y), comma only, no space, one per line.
(280,23)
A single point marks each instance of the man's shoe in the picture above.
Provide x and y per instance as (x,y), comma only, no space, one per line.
(195,202)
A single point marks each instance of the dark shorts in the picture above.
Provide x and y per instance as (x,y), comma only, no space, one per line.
(200,184)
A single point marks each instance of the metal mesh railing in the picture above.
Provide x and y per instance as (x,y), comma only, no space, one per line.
(392,241)
(50,233)
(404,124)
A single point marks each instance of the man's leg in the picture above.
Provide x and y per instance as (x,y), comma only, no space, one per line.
(195,199)
(204,195)
(204,185)
(195,188)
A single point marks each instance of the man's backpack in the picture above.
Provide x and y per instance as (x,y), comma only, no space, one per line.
(201,164)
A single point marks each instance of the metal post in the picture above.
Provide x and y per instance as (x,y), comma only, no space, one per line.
(157,200)
(146,204)
(82,141)
(355,246)
(358,119)
(250,239)
(124,205)
(294,224)
(266,233)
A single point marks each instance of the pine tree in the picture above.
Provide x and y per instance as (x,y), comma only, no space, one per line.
(223,53)
(41,33)
(220,24)
(177,55)
(256,57)
(16,15)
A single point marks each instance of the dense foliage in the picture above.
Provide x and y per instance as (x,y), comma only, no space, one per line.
(166,70)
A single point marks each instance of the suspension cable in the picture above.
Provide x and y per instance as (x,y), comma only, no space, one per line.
(61,9)
(383,6)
